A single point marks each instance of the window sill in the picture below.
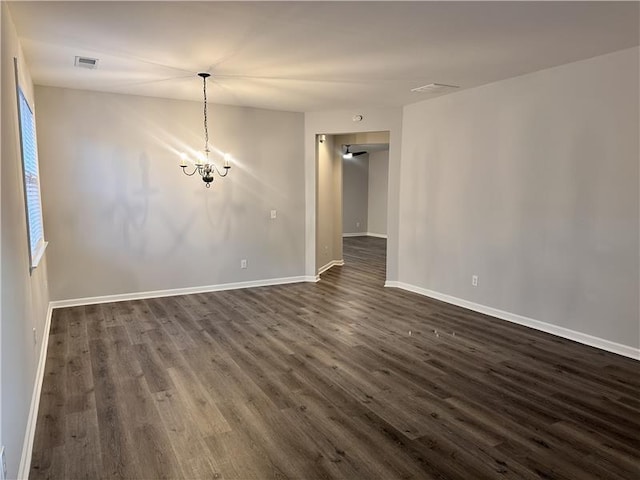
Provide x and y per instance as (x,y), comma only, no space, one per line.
(35,261)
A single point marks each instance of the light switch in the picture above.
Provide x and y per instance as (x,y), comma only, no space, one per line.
(274,214)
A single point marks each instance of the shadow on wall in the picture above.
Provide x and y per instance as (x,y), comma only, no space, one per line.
(127,209)
(116,208)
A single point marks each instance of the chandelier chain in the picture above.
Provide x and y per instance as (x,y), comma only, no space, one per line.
(206,129)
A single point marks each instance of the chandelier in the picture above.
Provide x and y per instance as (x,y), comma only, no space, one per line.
(202,165)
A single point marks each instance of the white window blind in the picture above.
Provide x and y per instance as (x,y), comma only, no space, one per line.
(31,180)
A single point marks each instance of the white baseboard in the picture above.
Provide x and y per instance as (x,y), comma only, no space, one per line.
(354,234)
(364,234)
(377,235)
(563,332)
(75,302)
(27,445)
(332,263)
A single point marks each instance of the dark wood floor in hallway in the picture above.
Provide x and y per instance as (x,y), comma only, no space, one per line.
(343,379)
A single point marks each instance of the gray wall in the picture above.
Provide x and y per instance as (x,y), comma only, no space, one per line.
(122,218)
(329,204)
(24,297)
(378,187)
(365,185)
(532,184)
(355,194)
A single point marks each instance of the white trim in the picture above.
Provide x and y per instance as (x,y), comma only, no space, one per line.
(601,343)
(27,446)
(364,234)
(312,278)
(179,291)
(39,253)
(332,263)
(377,235)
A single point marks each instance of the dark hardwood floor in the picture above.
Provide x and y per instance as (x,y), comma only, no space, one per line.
(341,379)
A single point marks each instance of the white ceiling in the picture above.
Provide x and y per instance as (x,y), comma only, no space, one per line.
(307,56)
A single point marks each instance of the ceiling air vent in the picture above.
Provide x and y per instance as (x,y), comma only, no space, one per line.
(86,62)
(434,88)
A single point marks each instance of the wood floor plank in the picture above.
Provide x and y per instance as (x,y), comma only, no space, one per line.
(47,458)
(152,368)
(187,442)
(240,457)
(82,441)
(116,443)
(341,379)
(209,418)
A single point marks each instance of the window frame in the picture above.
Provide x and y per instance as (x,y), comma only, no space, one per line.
(36,250)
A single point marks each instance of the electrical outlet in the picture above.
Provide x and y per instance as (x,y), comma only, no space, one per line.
(35,336)
(274,214)
(243,263)
(3,464)
(474,280)
(357,224)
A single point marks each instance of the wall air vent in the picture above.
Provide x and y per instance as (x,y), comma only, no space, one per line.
(86,62)
(434,88)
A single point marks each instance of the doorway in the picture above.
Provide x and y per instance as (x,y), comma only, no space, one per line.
(352,172)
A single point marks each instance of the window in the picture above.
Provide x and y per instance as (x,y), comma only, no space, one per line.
(31,176)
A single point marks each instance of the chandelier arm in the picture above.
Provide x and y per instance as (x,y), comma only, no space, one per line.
(226,170)
(184,170)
